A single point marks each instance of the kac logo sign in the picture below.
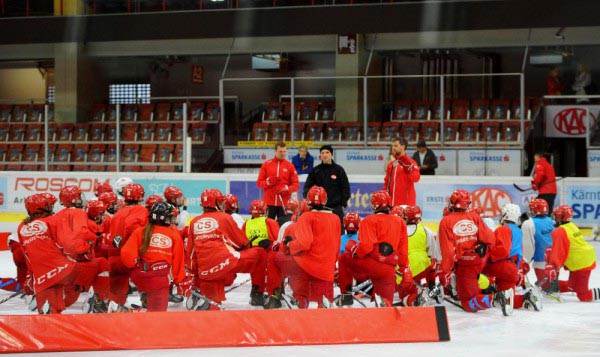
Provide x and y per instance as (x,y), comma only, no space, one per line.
(571,121)
(491,200)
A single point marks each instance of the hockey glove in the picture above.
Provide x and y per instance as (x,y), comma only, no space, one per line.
(272,181)
(117,241)
(391,259)
(445,278)
(282,190)
(264,244)
(481,250)
(534,186)
(551,272)
(407,278)
(286,242)
(350,245)
(385,249)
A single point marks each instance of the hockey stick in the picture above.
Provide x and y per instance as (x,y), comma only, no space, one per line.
(15,294)
(238,285)
(531,188)
(539,284)
(454,303)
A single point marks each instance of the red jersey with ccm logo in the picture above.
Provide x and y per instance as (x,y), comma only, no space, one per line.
(212,243)
(460,233)
(165,245)
(44,258)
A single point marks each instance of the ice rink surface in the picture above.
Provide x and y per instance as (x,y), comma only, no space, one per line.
(570,328)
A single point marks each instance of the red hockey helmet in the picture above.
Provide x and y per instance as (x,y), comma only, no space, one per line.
(563,214)
(381,200)
(151,200)
(172,193)
(232,205)
(133,192)
(351,221)
(258,208)
(317,196)
(538,207)
(397,211)
(102,187)
(412,214)
(37,203)
(70,196)
(460,199)
(211,198)
(108,198)
(94,209)
(49,197)
(291,206)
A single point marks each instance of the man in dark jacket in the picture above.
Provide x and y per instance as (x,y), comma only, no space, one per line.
(425,158)
(333,179)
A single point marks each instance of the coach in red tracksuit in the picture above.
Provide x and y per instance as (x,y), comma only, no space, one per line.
(307,256)
(401,175)
(279,179)
(383,245)
(544,179)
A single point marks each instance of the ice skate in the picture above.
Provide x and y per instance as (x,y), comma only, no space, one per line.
(197,302)
(532,300)
(256,298)
(344,300)
(379,301)
(45,310)
(504,300)
(31,302)
(273,302)
(114,307)
(326,303)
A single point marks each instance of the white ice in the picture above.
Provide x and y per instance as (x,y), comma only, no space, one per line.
(570,328)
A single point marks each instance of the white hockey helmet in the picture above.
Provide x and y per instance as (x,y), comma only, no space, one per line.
(510,213)
(121,183)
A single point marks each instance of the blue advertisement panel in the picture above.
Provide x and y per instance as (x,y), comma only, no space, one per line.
(192,189)
(585,200)
(3,192)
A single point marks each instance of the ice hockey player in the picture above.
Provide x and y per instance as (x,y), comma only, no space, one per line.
(351,225)
(464,239)
(571,251)
(260,230)
(120,185)
(151,200)
(155,252)
(383,244)
(219,250)
(123,223)
(49,265)
(175,197)
(401,175)
(232,207)
(110,202)
(101,187)
(307,256)
(18,255)
(537,237)
(291,206)
(423,256)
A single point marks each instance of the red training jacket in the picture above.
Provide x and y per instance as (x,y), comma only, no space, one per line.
(544,177)
(378,228)
(285,173)
(401,185)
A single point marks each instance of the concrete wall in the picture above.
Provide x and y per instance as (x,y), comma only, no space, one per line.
(22,83)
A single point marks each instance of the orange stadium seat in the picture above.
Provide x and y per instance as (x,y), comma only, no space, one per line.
(14,167)
(34,132)
(451,132)
(510,131)
(146,131)
(52,129)
(147,152)
(500,108)
(469,131)
(148,168)
(352,131)
(36,113)
(480,109)
(5,113)
(306,111)
(410,130)
(165,153)
(314,132)
(81,132)
(79,152)
(3,151)
(96,153)
(213,112)
(14,152)
(327,111)
(421,110)
(20,113)
(177,112)
(111,132)
(177,133)
(4,132)
(146,112)
(80,167)
(98,112)
(163,132)
(33,153)
(51,112)
(30,168)
(390,130)
(273,112)
(163,111)
(98,168)
(490,131)
(196,111)
(166,168)
(62,153)
(64,132)
(373,131)
(334,131)
(430,131)
(437,107)
(299,129)
(130,168)
(129,152)
(278,132)
(459,110)
(516,109)
(129,131)
(401,110)
(178,153)
(260,131)
(96,132)
(111,114)
(128,112)
(111,153)
(17,132)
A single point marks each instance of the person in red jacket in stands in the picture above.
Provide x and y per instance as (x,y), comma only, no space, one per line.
(307,255)
(383,245)
(279,179)
(401,175)
(544,179)
(154,252)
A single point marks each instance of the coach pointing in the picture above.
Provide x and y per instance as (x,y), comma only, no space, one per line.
(401,175)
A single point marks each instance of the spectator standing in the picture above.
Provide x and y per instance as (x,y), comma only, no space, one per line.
(583,82)
(425,159)
(278,178)
(332,177)
(303,161)
(401,175)
(543,179)
(554,84)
